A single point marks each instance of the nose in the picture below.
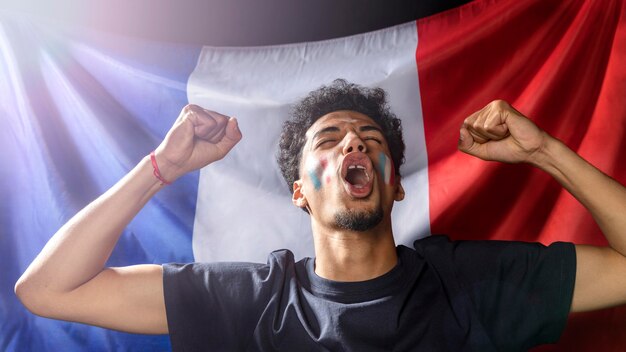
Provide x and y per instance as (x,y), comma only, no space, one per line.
(354,143)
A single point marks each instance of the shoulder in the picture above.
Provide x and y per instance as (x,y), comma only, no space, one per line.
(515,288)
(217,305)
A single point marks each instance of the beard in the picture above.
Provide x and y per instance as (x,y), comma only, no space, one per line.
(358,220)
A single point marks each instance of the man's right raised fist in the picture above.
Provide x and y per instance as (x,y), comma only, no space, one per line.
(197,138)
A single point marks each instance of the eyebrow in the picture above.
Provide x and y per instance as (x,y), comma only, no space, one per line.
(367,128)
(325,130)
(330,129)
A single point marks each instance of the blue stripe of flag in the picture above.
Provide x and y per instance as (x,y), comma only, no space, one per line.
(79,110)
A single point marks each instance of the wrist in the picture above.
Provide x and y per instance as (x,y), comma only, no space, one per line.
(156,171)
(162,169)
(549,154)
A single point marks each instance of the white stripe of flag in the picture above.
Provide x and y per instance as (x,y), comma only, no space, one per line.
(244,209)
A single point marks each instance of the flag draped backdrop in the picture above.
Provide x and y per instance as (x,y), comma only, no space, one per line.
(80,109)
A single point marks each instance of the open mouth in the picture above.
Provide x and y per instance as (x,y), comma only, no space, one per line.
(357,176)
(357,173)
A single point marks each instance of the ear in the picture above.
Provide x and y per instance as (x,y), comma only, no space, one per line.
(399,191)
(297,197)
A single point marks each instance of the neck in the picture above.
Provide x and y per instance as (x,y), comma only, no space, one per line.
(343,255)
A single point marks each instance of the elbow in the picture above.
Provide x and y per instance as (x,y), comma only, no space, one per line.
(31,297)
(21,290)
(25,294)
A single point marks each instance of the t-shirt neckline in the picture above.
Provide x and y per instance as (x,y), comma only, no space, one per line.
(348,292)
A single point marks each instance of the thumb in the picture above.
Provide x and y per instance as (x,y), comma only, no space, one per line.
(232,135)
(468,145)
(466,141)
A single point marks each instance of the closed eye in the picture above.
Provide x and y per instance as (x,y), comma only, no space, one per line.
(377,140)
(324,141)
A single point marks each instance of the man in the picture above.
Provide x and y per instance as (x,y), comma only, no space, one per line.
(341,156)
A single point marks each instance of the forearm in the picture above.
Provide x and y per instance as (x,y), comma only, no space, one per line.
(499,132)
(604,197)
(79,250)
(68,280)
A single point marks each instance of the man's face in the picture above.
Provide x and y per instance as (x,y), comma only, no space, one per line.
(347,178)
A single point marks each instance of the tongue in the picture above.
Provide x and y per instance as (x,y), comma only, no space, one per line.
(356,177)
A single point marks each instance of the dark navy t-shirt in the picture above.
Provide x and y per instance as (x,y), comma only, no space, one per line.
(442,296)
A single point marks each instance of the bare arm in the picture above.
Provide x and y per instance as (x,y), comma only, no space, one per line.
(499,132)
(68,280)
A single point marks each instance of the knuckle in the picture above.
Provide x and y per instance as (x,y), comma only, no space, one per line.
(500,104)
(221,119)
(189,108)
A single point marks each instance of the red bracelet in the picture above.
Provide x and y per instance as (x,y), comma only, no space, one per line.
(156,172)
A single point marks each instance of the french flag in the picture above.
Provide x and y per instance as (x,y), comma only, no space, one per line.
(79,109)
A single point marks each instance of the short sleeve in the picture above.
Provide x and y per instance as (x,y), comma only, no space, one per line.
(521,292)
(215,306)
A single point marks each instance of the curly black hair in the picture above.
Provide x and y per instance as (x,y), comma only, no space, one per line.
(340,95)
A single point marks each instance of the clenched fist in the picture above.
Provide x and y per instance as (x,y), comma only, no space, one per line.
(197,138)
(499,132)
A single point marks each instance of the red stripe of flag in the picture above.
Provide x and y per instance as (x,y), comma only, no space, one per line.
(562,63)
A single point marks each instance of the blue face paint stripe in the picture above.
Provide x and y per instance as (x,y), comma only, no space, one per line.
(382,161)
(315,179)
